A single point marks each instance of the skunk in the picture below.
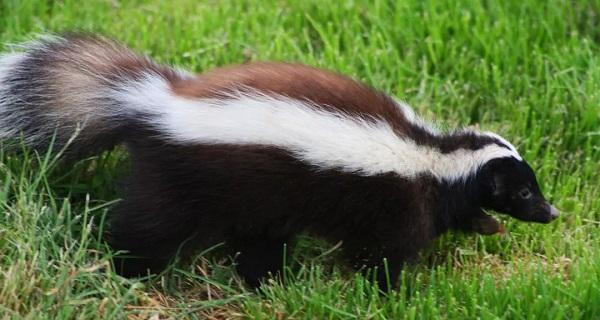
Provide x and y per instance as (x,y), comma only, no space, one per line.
(253,154)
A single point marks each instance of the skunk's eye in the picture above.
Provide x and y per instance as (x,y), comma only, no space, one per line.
(525,193)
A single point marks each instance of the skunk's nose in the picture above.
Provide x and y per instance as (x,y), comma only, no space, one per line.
(552,211)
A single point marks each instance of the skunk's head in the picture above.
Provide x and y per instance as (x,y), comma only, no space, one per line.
(509,185)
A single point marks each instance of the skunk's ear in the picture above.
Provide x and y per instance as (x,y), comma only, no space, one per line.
(493,177)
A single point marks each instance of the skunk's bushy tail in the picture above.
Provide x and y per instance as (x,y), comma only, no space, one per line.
(64,87)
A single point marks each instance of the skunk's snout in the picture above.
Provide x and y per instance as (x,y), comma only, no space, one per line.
(543,212)
(552,211)
(548,213)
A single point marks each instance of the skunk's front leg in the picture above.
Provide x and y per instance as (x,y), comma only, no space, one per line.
(385,249)
(259,256)
(483,223)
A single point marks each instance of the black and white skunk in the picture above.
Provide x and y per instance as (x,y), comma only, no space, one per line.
(251,155)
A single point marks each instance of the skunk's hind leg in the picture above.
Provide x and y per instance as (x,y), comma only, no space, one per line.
(148,235)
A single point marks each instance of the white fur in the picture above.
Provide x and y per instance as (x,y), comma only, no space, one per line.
(8,62)
(508,144)
(324,139)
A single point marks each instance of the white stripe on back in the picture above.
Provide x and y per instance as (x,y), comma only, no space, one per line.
(321,138)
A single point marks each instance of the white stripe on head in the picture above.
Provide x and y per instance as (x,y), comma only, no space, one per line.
(324,139)
(512,148)
(414,119)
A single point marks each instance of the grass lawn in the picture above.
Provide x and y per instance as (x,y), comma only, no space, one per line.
(527,69)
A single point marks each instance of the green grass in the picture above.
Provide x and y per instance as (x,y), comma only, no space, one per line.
(528,69)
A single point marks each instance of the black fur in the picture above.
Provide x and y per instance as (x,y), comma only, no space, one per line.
(256,199)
